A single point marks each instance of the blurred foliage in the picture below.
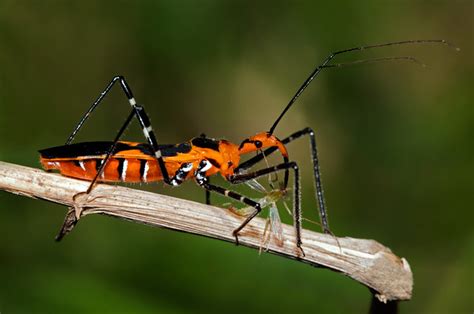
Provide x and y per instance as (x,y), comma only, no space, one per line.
(395,144)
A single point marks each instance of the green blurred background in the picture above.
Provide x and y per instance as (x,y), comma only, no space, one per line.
(395,144)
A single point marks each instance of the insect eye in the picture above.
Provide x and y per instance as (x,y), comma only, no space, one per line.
(258,144)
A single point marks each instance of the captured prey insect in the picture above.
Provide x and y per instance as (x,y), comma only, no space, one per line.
(273,228)
(198,158)
(270,197)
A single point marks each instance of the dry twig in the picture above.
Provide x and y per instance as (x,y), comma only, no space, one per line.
(366,261)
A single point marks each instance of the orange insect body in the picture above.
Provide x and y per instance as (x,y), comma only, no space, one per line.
(200,157)
(86,169)
(133,162)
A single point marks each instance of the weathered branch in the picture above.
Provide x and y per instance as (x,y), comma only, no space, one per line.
(366,261)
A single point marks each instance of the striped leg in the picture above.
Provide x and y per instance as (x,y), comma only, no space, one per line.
(316,170)
(150,136)
(208,193)
(203,181)
(181,173)
(111,151)
(126,90)
(220,190)
(142,117)
(240,178)
(71,219)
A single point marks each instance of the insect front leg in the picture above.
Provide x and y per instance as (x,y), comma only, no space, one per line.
(239,178)
(316,169)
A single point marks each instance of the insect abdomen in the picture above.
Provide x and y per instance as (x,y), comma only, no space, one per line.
(132,170)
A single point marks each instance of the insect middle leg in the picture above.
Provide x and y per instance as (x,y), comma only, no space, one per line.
(243,199)
(203,181)
(316,170)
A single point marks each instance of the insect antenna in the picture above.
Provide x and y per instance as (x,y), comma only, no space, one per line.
(328,59)
(376,60)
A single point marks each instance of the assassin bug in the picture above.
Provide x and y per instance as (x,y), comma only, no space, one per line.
(198,158)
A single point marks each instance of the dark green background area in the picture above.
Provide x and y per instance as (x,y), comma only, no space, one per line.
(395,145)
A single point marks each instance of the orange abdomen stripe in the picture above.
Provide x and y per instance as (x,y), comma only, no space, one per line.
(131,170)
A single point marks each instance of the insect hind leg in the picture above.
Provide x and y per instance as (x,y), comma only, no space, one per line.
(125,88)
(141,116)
